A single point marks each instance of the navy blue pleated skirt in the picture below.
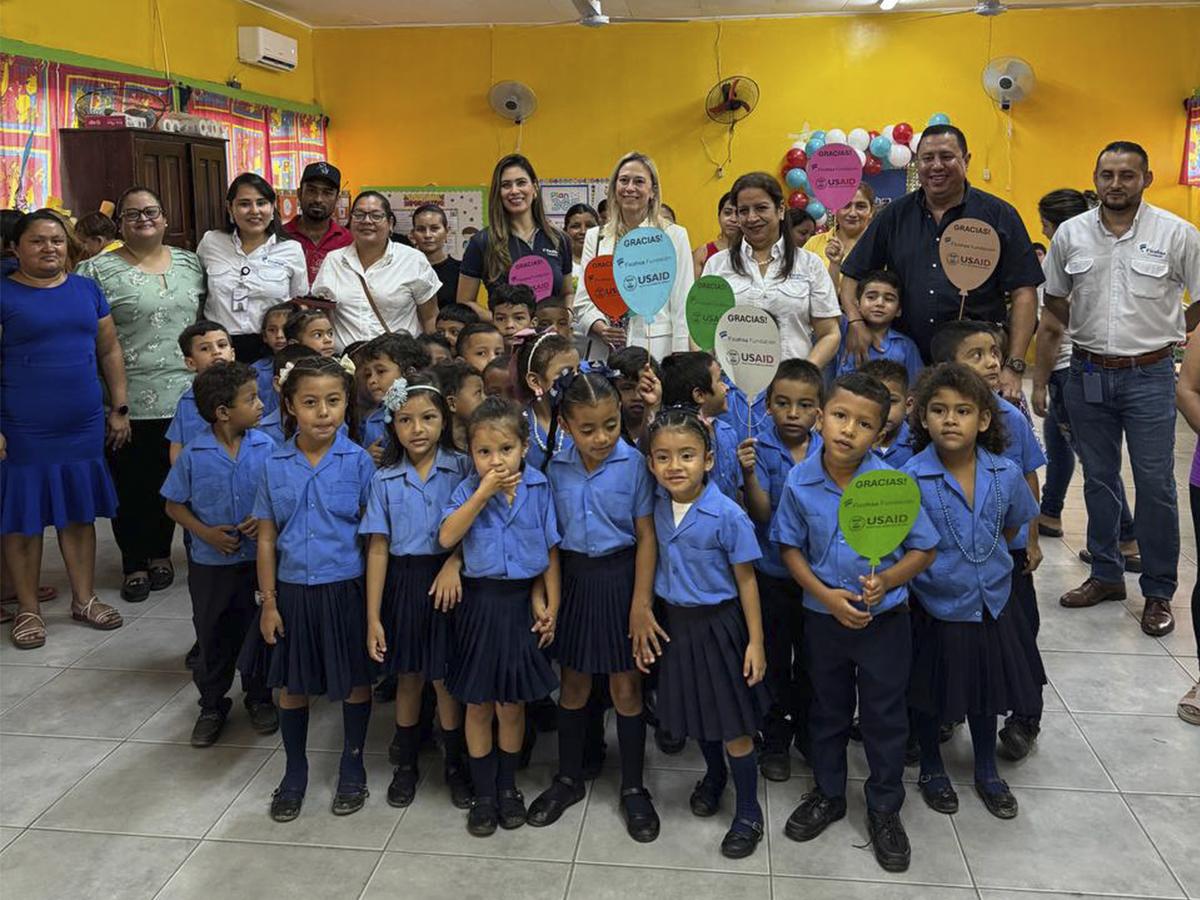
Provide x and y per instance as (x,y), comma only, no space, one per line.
(496,657)
(987,668)
(323,649)
(702,693)
(592,636)
(419,637)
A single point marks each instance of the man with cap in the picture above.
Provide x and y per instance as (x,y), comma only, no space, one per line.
(315,228)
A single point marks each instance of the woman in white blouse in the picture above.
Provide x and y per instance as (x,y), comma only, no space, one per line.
(251,265)
(380,285)
(766,269)
(635,200)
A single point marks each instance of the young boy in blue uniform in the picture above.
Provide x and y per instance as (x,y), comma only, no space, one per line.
(878,296)
(694,379)
(210,492)
(894,446)
(856,623)
(203,344)
(975,345)
(793,400)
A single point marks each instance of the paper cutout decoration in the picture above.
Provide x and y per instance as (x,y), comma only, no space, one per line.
(535,272)
(598,279)
(747,347)
(710,297)
(969,250)
(644,270)
(877,512)
(834,172)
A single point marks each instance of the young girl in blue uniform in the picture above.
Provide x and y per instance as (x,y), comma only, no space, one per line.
(310,576)
(504,516)
(710,649)
(409,634)
(380,362)
(604,500)
(540,359)
(274,340)
(311,327)
(972,656)
(271,423)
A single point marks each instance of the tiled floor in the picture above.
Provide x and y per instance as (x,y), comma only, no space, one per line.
(101,796)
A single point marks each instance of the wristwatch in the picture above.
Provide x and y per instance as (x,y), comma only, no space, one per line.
(1017,364)
(122,410)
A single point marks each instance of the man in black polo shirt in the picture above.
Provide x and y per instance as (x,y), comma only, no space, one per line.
(904,237)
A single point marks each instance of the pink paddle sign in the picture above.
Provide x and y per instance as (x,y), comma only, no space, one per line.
(534,272)
(834,172)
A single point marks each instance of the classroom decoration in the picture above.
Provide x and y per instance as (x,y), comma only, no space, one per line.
(877,512)
(644,270)
(969,250)
(598,279)
(938,119)
(560,194)
(463,205)
(797,179)
(709,299)
(833,174)
(534,272)
(747,347)
(798,200)
(816,210)
(858,139)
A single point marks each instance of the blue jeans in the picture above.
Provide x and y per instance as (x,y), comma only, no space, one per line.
(1060,456)
(1138,403)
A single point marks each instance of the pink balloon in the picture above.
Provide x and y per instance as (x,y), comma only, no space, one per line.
(834,172)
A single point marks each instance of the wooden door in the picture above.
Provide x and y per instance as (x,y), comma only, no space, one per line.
(209,183)
(163,165)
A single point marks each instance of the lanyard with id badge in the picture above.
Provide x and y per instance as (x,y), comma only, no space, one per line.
(241,293)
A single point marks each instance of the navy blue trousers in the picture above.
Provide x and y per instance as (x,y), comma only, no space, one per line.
(223,610)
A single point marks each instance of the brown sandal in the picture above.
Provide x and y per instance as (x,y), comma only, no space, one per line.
(45,594)
(28,631)
(99,615)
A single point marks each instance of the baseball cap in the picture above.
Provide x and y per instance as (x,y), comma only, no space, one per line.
(322,171)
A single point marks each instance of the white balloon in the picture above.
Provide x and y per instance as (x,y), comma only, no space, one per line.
(899,156)
(916,139)
(835,136)
(859,139)
(887,131)
(799,145)
(747,347)
(862,156)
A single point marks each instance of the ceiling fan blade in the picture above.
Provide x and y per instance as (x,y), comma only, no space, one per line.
(587,8)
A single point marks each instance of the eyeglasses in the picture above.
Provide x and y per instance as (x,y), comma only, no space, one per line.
(375,215)
(132,215)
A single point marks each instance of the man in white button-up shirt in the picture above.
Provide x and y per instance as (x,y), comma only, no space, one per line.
(1124,267)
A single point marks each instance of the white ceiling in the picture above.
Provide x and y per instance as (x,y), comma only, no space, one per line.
(368,13)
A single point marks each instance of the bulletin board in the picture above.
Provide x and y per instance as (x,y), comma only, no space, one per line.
(465,207)
(560,194)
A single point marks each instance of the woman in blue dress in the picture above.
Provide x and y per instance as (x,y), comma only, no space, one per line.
(54,330)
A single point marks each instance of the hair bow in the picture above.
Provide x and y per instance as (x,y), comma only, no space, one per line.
(396,397)
(588,367)
(285,372)
(347,363)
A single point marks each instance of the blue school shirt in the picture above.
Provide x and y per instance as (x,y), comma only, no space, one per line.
(726,471)
(696,559)
(896,347)
(264,370)
(219,489)
(1022,448)
(539,442)
(187,422)
(747,419)
(955,589)
(509,542)
(900,450)
(316,510)
(409,510)
(596,510)
(807,519)
(271,424)
(772,463)
(374,427)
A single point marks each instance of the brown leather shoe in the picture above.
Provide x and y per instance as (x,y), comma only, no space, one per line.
(1157,620)
(1091,592)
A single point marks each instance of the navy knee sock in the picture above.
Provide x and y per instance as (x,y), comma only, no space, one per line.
(506,773)
(408,742)
(631,739)
(355,718)
(454,743)
(714,758)
(293,726)
(931,749)
(983,742)
(572,730)
(745,780)
(483,776)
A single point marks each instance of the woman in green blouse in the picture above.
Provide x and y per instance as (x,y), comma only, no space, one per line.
(154,292)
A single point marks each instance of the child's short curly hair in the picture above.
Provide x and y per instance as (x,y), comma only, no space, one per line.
(958,378)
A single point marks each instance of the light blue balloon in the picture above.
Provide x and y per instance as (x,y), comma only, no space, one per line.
(814,144)
(819,135)
(797,179)
(815,209)
(880,146)
(939,119)
(644,270)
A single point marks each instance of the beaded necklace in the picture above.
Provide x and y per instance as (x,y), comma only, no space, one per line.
(535,432)
(954,532)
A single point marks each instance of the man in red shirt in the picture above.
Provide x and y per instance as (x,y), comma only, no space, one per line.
(315,228)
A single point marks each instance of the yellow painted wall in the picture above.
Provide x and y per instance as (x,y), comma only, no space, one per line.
(409,105)
(201,37)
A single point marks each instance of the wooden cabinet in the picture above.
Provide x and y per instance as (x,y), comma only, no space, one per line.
(188,173)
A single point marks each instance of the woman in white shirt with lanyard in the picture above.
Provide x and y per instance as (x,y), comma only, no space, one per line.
(766,269)
(635,200)
(251,265)
(380,285)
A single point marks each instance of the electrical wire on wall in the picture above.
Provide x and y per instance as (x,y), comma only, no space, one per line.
(719,166)
(162,37)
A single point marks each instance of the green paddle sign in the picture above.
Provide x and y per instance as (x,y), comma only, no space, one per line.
(709,298)
(877,512)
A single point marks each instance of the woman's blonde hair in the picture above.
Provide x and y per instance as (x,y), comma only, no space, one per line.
(497,259)
(615,228)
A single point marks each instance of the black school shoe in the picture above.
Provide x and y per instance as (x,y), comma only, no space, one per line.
(815,813)
(264,717)
(136,590)
(773,760)
(349,799)
(549,806)
(458,780)
(641,819)
(889,840)
(483,817)
(285,804)
(208,727)
(1017,738)
(706,798)
(938,793)
(512,809)
(403,789)
(742,839)
(998,799)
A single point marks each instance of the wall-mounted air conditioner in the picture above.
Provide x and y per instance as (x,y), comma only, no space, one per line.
(266,48)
